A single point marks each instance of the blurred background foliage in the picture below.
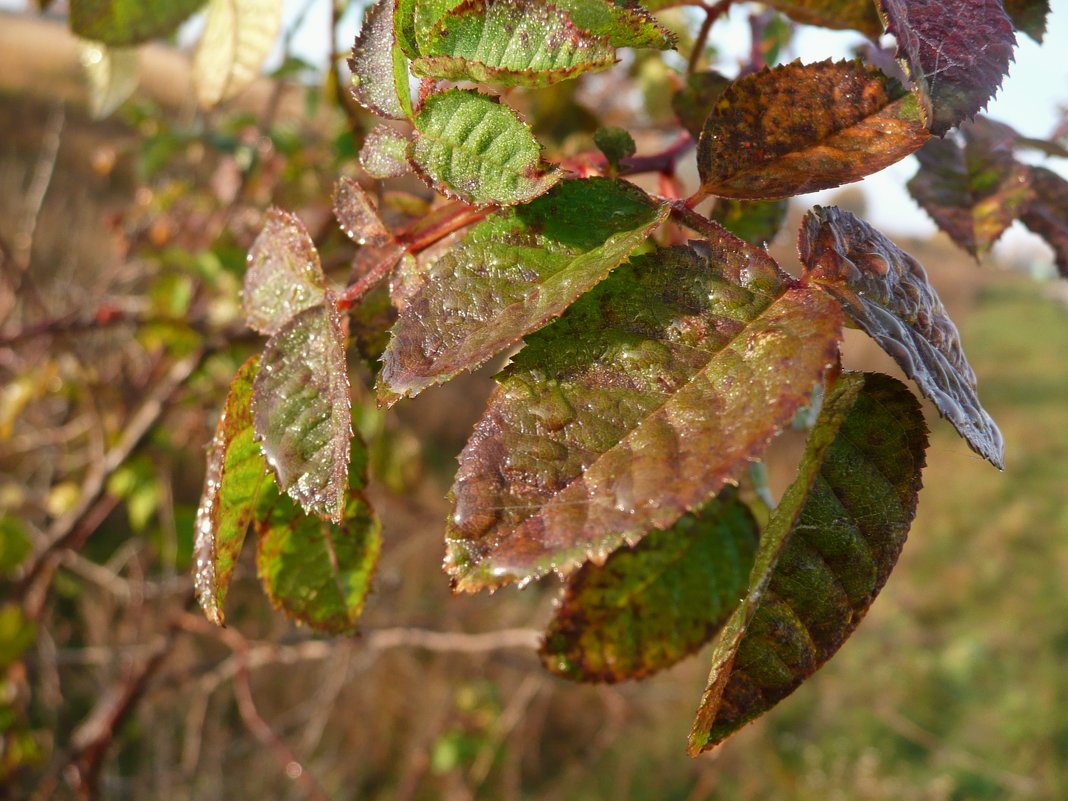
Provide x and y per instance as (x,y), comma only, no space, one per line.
(123,246)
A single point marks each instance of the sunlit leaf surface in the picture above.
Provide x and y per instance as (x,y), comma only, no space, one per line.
(826,552)
(650,606)
(385,153)
(511,275)
(357,214)
(956,51)
(238,36)
(112,72)
(379,68)
(886,292)
(638,405)
(804,127)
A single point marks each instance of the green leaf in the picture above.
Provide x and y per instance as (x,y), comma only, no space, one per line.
(357,214)
(379,68)
(235,475)
(886,292)
(804,127)
(427,15)
(638,405)
(652,605)
(857,15)
(283,277)
(511,275)
(317,573)
(113,74)
(471,146)
(624,25)
(957,67)
(513,43)
(1029,16)
(17,634)
(385,153)
(127,22)
(827,551)
(973,188)
(1047,215)
(756,221)
(302,409)
(238,37)
(15,543)
(615,143)
(694,102)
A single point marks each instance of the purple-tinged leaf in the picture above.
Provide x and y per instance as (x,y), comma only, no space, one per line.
(956,51)
(650,393)
(652,605)
(971,186)
(512,43)
(511,275)
(236,472)
(1029,16)
(385,153)
(886,292)
(804,127)
(379,68)
(283,276)
(829,547)
(357,214)
(1047,215)
(302,409)
(857,15)
(471,146)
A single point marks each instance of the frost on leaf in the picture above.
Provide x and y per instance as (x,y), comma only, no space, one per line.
(238,36)
(828,548)
(635,407)
(471,146)
(236,472)
(857,15)
(379,68)
(972,188)
(302,409)
(652,605)
(623,24)
(886,292)
(956,51)
(127,22)
(1047,215)
(511,275)
(385,153)
(283,276)
(804,127)
(357,214)
(511,43)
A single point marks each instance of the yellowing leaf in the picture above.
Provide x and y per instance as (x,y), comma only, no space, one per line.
(238,36)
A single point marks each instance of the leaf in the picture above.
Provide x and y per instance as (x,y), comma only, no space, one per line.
(827,551)
(357,214)
(755,221)
(973,189)
(379,68)
(15,544)
(616,144)
(18,632)
(238,37)
(694,102)
(471,146)
(318,573)
(637,406)
(511,42)
(127,22)
(652,605)
(511,275)
(283,277)
(886,292)
(302,409)
(426,17)
(955,51)
(235,475)
(1029,16)
(762,142)
(622,24)
(113,74)
(1047,215)
(385,153)
(857,15)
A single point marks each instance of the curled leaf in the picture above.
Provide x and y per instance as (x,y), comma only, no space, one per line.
(650,606)
(886,292)
(804,127)
(829,547)
(238,37)
(649,394)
